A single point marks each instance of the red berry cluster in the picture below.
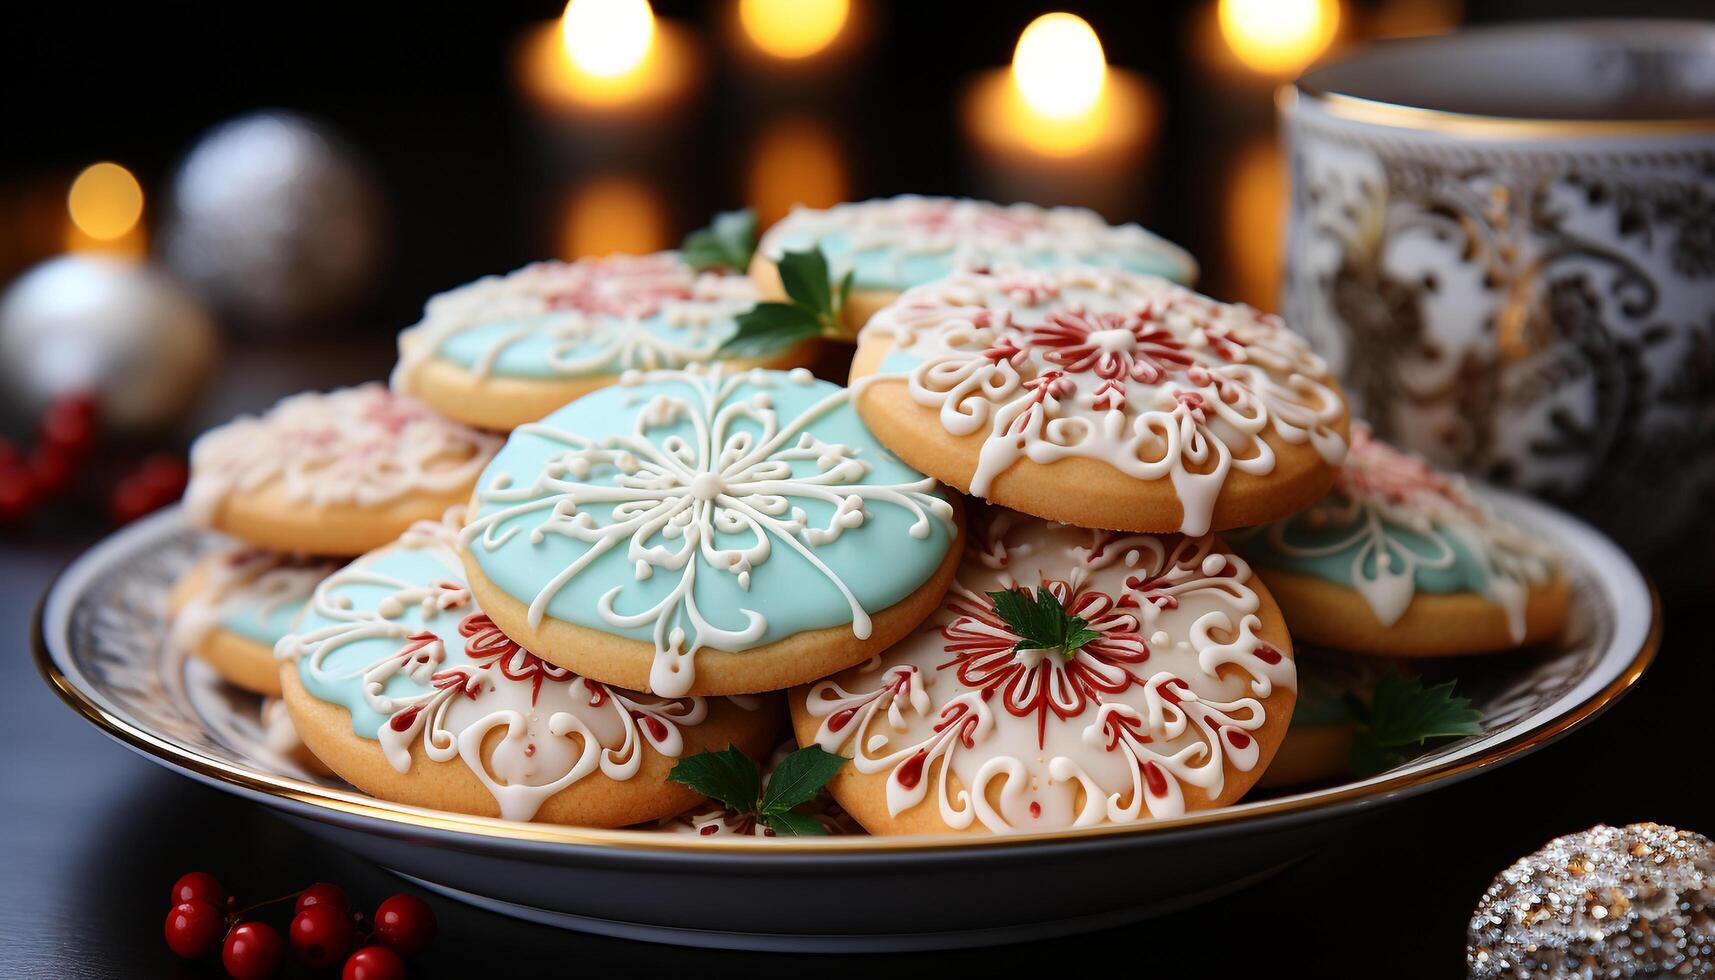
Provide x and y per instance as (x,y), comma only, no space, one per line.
(323,930)
(65,444)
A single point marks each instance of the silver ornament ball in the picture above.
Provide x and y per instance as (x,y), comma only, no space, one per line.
(1634,901)
(275,221)
(114,328)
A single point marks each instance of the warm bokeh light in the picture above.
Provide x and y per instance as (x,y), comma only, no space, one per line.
(607,38)
(613,213)
(793,28)
(105,202)
(1278,37)
(1253,224)
(1058,66)
(796,161)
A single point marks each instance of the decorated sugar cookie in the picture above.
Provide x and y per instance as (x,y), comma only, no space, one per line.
(506,350)
(1361,715)
(890,245)
(1102,398)
(399,682)
(707,531)
(332,473)
(1072,678)
(235,603)
(1400,559)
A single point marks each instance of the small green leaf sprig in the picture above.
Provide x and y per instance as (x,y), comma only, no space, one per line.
(733,778)
(727,243)
(1042,623)
(814,302)
(1401,718)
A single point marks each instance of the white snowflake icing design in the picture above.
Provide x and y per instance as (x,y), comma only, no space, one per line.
(1035,739)
(1144,375)
(365,446)
(969,233)
(1398,517)
(671,495)
(591,313)
(558,727)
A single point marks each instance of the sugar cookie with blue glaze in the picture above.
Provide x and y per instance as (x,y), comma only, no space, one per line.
(1102,398)
(401,684)
(1399,559)
(707,531)
(235,603)
(891,244)
(506,350)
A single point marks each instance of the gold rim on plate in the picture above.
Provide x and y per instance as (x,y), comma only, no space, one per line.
(1375,112)
(419,818)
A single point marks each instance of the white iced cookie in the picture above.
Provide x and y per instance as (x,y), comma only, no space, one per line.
(1072,678)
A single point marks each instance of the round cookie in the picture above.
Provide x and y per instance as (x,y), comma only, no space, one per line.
(1401,560)
(506,350)
(712,818)
(1166,410)
(891,244)
(234,604)
(281,737)
(1177,691)
(400,683)
(1318,744)
(335,473)
(708,532)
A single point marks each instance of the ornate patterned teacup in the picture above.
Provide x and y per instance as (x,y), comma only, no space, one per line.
(1504,242)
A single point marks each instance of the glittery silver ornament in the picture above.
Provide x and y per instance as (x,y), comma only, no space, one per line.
(274,220)
(1634,901)
(121,330)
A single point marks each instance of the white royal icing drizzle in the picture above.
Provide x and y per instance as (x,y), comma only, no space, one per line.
(238,575)
(590,311)
(363,446)
(1381,491)
(454,707)
(1134,371)
(1127,722)
(711,818)
(969,233)
(725,480)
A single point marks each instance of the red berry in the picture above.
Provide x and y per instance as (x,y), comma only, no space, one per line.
(17,494)
(374,963)
(405,924)
(253,951)
(322,893)
(70,425)
(9,454)
(163,472)
(51,468)
(193,929)
(199,884)
(320,935)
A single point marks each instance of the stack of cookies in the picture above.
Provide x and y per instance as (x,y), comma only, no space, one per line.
(982,586)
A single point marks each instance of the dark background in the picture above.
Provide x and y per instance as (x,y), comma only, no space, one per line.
(94,835)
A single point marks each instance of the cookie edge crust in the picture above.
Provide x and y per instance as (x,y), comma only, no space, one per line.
(265,518)
(864,795)
(593,801)
(784,663)
(239,660)
(1114,501)
(1450,624)
(501,404)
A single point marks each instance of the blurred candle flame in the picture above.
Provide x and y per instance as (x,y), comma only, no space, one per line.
(1058,66)
(105,204)
(613,213)
(607,38)
(1278,37)
(796,161)
(793,29)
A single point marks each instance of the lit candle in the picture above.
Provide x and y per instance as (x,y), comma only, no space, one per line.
(105,211)
(791,32)
(607,59)
(797,160)
(1062,126)
(612,213)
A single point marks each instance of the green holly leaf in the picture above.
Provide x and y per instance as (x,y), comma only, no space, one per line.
(787,823)
(1041,622)
(813,309)
(798,778)
(729,776)
(727,243)
(1402,716)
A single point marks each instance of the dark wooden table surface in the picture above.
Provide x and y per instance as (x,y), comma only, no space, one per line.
(93,835)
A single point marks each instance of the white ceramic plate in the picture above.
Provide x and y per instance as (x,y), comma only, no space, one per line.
(98,642)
